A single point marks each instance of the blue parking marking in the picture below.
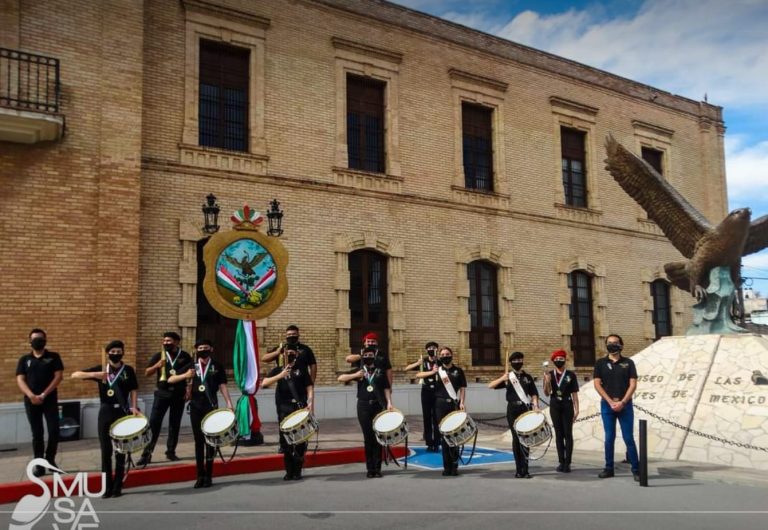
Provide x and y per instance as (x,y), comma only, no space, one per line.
(419,457)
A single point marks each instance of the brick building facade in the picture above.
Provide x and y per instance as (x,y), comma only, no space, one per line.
(105,225)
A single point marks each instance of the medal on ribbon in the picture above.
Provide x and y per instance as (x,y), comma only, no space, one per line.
(558,381)
(202,374)
(112,379)
(172,371)
(369,378)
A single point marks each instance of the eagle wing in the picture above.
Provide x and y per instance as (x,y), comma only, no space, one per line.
(258,258)
(757,238)
(233,261)
(678,219)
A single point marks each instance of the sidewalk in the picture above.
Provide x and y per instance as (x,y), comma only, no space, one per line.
(84,455)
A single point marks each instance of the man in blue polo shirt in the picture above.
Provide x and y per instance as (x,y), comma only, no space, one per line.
(616,380)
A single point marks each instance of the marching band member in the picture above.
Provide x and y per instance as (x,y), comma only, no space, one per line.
(117,393)
(204,378)
(167,395)
(450,393)
(371,340)
(305,353)
(563,407)
(294,391)
(428,385)
(521,394)
(373,392)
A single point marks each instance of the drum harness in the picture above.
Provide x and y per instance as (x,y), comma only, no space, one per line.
(389,456)
(295,394)
(214,406)
(129,463)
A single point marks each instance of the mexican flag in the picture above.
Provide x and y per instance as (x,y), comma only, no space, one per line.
(245,361)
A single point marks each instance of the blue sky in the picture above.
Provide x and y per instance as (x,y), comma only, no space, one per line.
(687,47)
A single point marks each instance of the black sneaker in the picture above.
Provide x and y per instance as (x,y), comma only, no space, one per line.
(369,474)
(144,460)
(38,471)
(172,456)
(567,468)
(636,476)
(606,473)
(560,468)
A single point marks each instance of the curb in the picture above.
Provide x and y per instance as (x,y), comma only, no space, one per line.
(12,492)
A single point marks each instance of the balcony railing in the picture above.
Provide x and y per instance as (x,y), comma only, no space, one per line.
(29,81)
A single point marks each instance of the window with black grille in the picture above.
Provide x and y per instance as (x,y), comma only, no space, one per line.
(654,157)
(367,297)
(582,319)
(365,123)
(223,98)
(574,167)
(662,310)
(484,335)
(477,146)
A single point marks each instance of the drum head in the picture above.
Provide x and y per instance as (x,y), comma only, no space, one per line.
(388,421)
(218,421)
(294,419)
(529,422)
(453,421)
(128,426)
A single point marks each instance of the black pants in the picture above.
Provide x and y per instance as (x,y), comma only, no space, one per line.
(293,455)
(431,426)
(443,407)
(204,453)
(366,411)
(562,421)
(108,414)
(164,401)
(49,410)
(521,454)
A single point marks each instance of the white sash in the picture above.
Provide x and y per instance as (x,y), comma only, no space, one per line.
(447,382)
(518,388)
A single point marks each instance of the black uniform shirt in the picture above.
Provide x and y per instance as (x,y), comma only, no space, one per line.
(214,377)
(306,355)
(300,379)
(430,383)
(526,382)
(456,376)
(164,372)
(615,377)
(379,382)
(126,381)
(568,385)
(39,372)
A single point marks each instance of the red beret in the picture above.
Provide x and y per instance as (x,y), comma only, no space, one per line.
(558,353)
(371,336)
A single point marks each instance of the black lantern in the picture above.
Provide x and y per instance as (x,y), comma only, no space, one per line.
(211,213)
(275,217)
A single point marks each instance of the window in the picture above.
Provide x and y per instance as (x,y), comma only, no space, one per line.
(662,310)
(574,167)
(367,297)
(223,101)
(484,314)
(477,146)
(582,320)
(654,157)
(365,123)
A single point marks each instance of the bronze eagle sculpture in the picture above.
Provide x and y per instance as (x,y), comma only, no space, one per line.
(705,246)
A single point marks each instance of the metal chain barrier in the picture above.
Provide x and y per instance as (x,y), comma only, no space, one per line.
(699,433)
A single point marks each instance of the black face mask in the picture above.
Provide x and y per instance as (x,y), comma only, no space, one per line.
(37,343)
(291,358)
(431,353)
(293,340)
(368,360)
(559,364)
(203,354)
(115,358)
(517,365)
(613,348)
(446,360)
(168,347)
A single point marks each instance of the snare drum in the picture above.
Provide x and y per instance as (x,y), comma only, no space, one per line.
(532,429)
(298,426)
(219,427)
(390,427)
(457,428)
(130,434)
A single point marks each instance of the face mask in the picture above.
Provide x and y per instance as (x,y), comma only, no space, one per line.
(431,353)
(115,357)
(613,348)
(516,365)
(368,360)
(292,340)
(203,354)
(291,358)
(559,364)
(446,360)
(37,343)
(168,347)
